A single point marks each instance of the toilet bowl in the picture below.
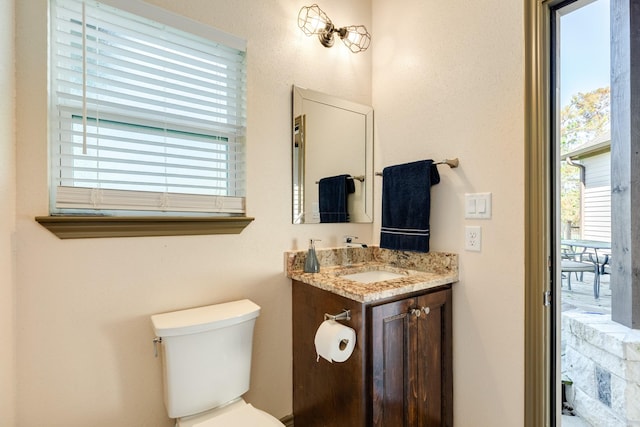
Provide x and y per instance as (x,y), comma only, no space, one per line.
(206,358)
(236,414)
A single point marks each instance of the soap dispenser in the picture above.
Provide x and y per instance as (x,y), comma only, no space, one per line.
(311,264)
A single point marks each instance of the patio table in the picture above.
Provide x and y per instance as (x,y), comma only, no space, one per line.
(585,247)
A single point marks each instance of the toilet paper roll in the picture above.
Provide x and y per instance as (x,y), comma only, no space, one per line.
(334,341)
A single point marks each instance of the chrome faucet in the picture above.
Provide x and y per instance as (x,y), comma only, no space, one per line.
(348,253)
(350,242)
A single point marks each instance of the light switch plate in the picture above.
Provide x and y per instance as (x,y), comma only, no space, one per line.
(477,205)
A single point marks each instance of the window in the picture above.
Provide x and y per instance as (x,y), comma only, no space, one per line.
(145,117)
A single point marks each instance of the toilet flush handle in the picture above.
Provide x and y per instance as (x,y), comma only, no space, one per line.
(156,341)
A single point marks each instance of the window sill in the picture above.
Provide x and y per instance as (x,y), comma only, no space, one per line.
(81,227)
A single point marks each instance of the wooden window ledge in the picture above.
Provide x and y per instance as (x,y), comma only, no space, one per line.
(81,227)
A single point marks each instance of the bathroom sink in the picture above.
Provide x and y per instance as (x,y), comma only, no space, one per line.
(372,276)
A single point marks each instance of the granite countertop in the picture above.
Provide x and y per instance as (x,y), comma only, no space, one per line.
(420,271)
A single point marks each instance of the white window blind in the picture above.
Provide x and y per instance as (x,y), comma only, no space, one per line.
(144,116)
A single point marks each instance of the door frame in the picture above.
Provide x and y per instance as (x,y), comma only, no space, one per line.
(539,363)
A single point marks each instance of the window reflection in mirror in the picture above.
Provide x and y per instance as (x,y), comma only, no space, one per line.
(332,137)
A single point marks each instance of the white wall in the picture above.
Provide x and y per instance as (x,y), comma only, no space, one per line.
(85,356)
(7,215)
(448,81)
(596,201)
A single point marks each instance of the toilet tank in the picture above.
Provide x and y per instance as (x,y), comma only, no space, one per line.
(206,355)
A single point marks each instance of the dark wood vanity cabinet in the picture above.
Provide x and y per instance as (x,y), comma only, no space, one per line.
(400,373)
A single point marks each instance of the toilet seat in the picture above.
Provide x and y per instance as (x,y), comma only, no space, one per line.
(240,414)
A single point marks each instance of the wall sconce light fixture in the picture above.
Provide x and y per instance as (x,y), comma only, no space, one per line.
(312,20)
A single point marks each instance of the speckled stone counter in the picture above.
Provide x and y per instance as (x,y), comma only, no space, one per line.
(420,271)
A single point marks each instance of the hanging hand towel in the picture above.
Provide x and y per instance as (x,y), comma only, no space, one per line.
(333,192)
(406,204)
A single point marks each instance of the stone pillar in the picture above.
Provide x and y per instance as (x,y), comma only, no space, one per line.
(602,358)
(625,161)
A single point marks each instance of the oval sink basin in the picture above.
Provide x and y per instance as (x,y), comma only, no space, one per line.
(372,276)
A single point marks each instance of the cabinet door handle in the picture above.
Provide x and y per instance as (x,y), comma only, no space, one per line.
(417,312)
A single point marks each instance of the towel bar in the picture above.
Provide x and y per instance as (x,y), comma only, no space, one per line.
(453,163)
(357,177)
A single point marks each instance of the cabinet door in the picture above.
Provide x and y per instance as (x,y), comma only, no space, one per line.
(432,364)
(391,345)
(411,362)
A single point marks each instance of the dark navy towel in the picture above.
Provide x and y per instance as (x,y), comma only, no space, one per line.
(406,205)
(333,193)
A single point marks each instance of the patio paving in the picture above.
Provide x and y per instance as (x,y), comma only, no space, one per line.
(580,297)
(569,421)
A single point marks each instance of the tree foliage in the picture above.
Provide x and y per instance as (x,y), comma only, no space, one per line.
(586,117)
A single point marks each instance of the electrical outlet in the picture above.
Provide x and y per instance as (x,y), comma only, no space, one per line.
(473,238)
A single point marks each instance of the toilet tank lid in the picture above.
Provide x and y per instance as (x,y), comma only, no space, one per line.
(201,319)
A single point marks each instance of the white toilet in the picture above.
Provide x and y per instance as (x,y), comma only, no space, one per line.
(206,355)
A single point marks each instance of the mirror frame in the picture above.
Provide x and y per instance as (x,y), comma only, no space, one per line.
(298,157)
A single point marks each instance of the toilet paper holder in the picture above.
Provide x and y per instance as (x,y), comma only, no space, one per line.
(344,315)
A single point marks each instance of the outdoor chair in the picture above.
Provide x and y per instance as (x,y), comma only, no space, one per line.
(605,267)
(602,262)
(572,262)
(570,266)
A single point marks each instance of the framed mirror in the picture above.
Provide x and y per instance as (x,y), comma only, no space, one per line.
(332,138)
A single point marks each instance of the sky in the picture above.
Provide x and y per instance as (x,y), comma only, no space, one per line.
(584,50)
